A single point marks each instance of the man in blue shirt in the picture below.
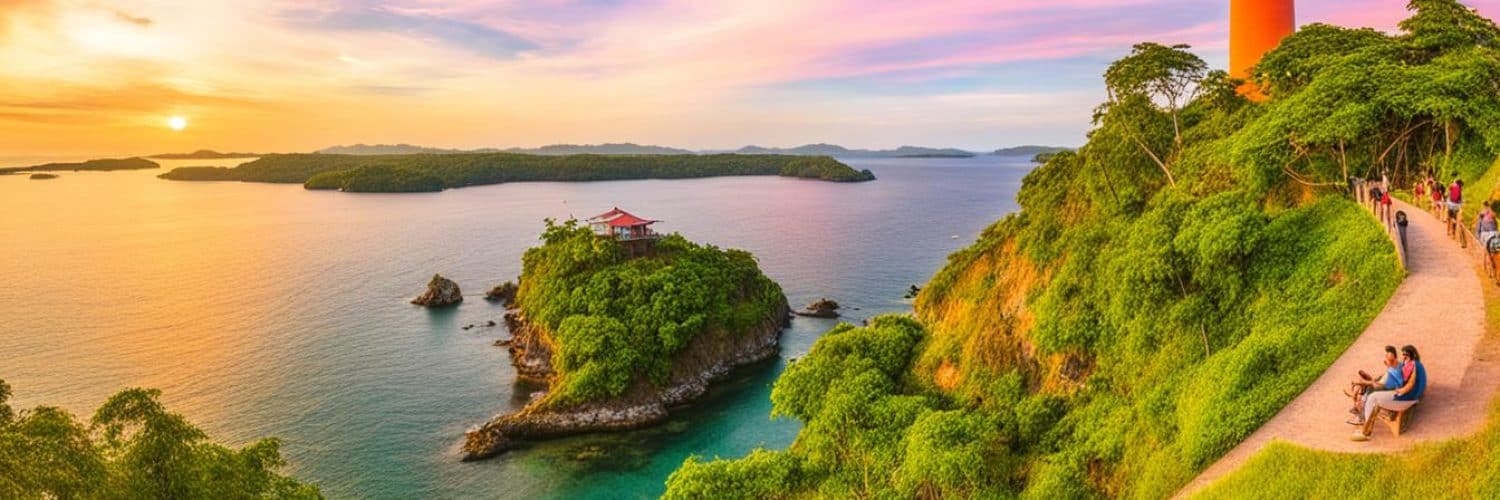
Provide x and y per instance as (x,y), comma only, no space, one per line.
(1398,400)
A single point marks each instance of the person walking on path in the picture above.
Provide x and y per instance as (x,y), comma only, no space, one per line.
(1485,228)
(1385,211)
(1435,191)
(1455,205)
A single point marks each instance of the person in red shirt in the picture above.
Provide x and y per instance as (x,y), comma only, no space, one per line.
(1385,209)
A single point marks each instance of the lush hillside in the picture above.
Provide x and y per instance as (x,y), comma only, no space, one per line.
(131,448)
(399,173)
(103,165)
(843,152)
(1162,292)
(1030,150)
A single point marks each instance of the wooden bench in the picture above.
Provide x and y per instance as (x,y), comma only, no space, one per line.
(1395,420)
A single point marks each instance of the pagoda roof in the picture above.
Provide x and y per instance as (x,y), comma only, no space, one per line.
(619,218)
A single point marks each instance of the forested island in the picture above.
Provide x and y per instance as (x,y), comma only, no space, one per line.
(203,154)
(620,338)
(551,149)
(1162,292)
(431,172)
(1030,150)
(103,165)
(843,152)
(133,447)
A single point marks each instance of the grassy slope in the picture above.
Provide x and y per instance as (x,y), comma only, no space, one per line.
(1153,412)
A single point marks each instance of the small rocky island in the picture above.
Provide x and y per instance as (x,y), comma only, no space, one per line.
(622,324)
(441,292)
(821,308)
(41,177)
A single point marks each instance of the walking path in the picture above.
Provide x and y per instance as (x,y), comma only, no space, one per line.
(1439,308)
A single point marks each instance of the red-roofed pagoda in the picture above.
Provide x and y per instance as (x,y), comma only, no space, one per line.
(633,232)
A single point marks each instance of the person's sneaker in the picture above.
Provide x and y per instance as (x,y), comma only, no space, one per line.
(1355,421)
(1354,411)
(1359,436)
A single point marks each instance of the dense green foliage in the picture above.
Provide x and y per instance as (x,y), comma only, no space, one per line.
(132,448)
(432,172)
(1357,102)
(376,179)
(1163,291)
(91,165)
(614,320)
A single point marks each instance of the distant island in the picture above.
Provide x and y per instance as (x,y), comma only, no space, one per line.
(843,152)
(91,165)
(1030,150)
(552,150)
(203,154)
(620,331)
(637,149)
(436,172)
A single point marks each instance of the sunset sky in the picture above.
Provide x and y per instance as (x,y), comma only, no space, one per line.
(98,77)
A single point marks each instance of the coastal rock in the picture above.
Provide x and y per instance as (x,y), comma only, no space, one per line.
(504,293)
(705,359)
(441,292)
(821,308)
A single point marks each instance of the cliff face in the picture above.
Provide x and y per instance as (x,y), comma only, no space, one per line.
(706,358)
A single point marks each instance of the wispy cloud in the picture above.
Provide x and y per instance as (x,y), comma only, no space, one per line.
(136,20)
(422,24)
(298,74)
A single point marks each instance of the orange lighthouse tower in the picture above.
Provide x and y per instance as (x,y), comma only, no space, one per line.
(1256,27)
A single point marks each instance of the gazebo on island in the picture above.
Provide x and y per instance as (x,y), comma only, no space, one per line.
(633,232)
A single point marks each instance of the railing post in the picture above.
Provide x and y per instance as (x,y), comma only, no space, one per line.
(1401,227)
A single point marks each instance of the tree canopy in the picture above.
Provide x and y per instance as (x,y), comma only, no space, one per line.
(614,319)
(133,447)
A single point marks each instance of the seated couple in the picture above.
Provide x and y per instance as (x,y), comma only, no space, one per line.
(1397,389)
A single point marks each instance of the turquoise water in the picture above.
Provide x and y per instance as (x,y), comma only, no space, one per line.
(267,310)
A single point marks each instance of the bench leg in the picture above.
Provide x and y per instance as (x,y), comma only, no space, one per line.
(1395,420)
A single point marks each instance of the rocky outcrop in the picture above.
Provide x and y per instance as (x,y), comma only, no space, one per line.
(822,308)
(706,358)
(441,292)
(504,293)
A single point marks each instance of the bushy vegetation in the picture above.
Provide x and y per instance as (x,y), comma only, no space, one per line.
(1458,468)
(376,179)
(1163,291)
(613,320)
(132,448)
(432,172)
(91,165)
